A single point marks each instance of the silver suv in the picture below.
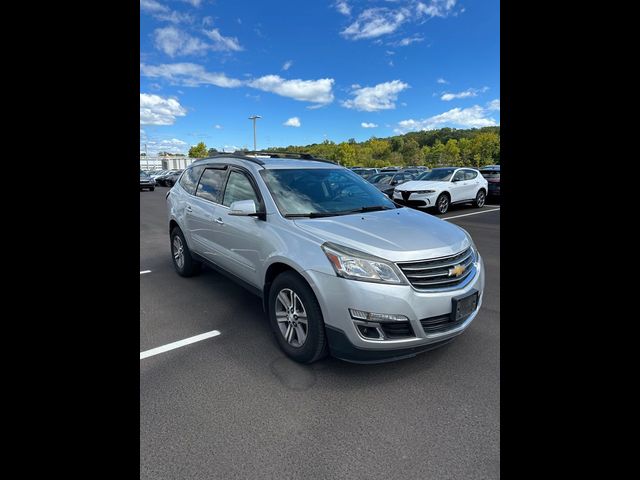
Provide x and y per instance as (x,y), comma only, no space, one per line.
(341,268)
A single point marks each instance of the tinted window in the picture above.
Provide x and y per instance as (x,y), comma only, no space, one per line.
(459,176)
(211,183)
(239,188)
(470,174)
(439,174)
(321,190)
(189,180)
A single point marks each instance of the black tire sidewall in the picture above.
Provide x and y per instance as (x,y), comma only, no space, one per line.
(477,204)
(315,346)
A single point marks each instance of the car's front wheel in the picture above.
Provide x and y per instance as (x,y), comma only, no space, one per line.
(442,203)
(183,262)
(152,188)
(481,198)
(296,318)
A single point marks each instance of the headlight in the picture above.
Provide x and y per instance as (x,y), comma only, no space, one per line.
(424,191)
(473,245)
(355,265)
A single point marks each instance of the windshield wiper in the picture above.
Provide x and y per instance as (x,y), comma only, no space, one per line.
(374,208)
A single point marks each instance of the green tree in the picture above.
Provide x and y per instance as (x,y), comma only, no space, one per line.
(212,152)
(451,153)
(486,148)
(198,151)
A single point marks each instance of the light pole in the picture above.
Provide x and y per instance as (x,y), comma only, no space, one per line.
(254,118)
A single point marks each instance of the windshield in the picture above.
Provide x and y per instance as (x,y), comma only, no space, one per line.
(322,192)
(438,174)
(381,177)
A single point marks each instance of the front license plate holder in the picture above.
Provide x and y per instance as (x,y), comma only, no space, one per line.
(464,306)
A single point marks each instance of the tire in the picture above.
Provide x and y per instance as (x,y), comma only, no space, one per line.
(481,199)
(442,204)
(184,263)
(152,189)
(314,345)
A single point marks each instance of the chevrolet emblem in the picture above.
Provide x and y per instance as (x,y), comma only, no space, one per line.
(457,271)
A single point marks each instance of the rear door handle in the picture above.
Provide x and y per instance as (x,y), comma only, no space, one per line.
(219,221)
(189,208)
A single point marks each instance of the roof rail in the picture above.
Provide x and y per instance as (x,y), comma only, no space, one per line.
(252,156)
(297,155)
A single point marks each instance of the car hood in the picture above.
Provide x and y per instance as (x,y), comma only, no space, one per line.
(398,235)
(413,185)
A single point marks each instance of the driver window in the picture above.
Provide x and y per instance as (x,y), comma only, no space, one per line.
(239,188)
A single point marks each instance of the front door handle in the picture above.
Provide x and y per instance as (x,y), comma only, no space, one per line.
(219,221)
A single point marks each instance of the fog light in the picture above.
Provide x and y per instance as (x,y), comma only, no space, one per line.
(369,332)
(376,317)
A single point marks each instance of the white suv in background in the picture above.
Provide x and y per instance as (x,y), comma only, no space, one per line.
(442,187)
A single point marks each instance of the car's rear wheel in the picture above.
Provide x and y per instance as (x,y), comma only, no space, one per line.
(481,198)
(442,203)
(183,262)
(296,318)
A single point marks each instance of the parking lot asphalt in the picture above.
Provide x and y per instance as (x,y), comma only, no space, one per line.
(234,406)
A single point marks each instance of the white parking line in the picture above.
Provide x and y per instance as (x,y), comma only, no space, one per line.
(145,271)
(474,213)
(178,344)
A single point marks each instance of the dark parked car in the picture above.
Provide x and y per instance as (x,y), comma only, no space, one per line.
(387,181)
(168,179)
(415,171)
(146,181)
(492,174)
(365,172)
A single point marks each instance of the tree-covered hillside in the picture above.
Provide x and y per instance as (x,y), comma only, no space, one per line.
(446,146)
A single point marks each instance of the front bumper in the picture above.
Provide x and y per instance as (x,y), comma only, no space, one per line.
(147,184)
(420,200)
(336,295)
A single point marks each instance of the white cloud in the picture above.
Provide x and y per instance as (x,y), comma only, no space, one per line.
(188,74)
(368,125)
(379,97)
(374,22)
(435,8)
(193,75)
(172,145)
(162,12)
(315,91)
(222,43)
(472,117)
(343,7)
(174,42)
(287,65)
(157,110)
(218,127)
(194,3)
(494,105)
(441,81)
(470,92)
(151,6)
(292,122)
(409,40)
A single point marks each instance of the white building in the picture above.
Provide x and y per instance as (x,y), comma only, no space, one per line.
(165,163)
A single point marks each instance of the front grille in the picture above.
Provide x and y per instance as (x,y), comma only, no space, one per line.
(435,274)
(440,323)
(397,329)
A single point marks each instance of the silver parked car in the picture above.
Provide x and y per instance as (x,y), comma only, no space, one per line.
(341,269)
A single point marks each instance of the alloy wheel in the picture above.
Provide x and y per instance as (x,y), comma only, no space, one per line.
(178,251)
(291,317)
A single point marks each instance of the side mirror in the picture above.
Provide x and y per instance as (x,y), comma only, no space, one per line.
(243,208)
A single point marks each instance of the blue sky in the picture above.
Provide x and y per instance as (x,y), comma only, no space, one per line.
(314,70)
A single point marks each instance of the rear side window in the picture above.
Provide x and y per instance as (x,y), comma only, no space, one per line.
(211,183)
(459,176)
(470,174)
(189,180)
(239,188)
